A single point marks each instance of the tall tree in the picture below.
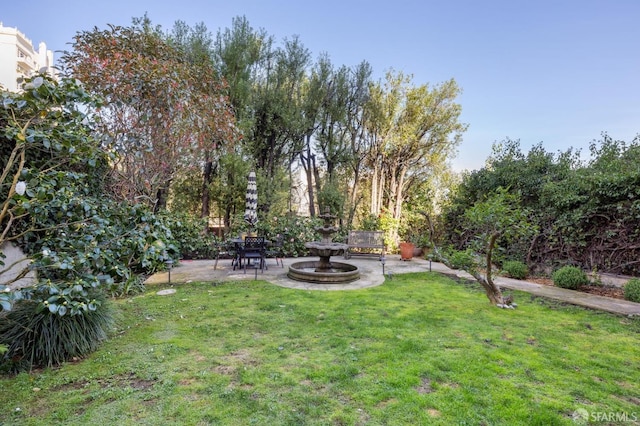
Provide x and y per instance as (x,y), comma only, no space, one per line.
(161,112)
(333,109)
(276,136)
(241,55)
(358,141)
(197,46)
(332,137)
(414,129)
(316,89)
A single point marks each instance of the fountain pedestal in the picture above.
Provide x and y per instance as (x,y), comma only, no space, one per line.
(324,264)
(324,271)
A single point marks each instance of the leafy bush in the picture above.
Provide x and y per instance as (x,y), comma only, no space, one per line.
(190,235)
(36,337)
(516,269)
(632,290)
(370,222)
(461,259)
(50,163)
(134,284)
(570,277)
(78,238)
(295,230)
(82,243)
(105,246)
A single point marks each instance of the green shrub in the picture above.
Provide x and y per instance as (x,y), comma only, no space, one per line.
(570,277)
(134,284)
(632,290)
(114,243)
(461,259)
(81,242)
(36,337)
(190,236)
(370,223)
(516,269)
(295,232)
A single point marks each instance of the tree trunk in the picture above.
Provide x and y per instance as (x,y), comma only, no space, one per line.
(206,193)
(391,201)
(306,165)
(375,207)
(291,186)
(353,200)
(493,291)
(229,212)
(380,195)
(316,175)
(161,200)
(399,194)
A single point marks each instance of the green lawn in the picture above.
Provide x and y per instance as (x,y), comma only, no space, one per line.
(421,349)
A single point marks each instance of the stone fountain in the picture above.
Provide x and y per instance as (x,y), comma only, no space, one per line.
(324,271)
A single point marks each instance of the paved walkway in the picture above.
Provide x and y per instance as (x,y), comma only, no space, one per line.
(371,276)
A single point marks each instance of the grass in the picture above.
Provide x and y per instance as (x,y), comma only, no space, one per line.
(421,349)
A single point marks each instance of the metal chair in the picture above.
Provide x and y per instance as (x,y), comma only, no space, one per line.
(254,249)
(225,250)
(276,250)
(235,247)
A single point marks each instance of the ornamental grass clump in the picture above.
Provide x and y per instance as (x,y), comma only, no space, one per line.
(632,290)
(570,277)
(36,337)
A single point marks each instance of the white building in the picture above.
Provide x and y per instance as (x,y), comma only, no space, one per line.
(18,58)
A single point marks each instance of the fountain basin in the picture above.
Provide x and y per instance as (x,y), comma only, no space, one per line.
(338,273)
(326,249)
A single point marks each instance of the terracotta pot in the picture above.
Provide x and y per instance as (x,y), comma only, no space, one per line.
(406,251)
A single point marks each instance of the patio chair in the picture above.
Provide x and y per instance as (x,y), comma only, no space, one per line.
(276,250)
(254,248)
(225,250)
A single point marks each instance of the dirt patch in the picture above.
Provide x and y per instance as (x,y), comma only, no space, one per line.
(140,384)
(80,384)
(386,402)
(540,280)
(450,385)
(226,370)
(120,380)
(196,356)
(129,380)
(613,292)
(424,387)
(433,412)
(631,399)
(606,291)
(242,357)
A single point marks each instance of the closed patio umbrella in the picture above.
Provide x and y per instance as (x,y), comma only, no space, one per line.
(251,209)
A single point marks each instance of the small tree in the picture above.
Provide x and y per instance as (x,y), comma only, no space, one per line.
(498,219)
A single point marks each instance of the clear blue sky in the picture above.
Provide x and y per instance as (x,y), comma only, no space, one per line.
(559,72)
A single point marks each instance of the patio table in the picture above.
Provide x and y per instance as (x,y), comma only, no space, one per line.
(236,262)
